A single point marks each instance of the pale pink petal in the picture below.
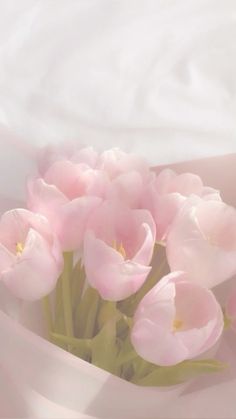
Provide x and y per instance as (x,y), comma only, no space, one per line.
(176,320)
(68,178)
(138,234)
(216,326)
(85,155)
(44,198)
(145,252)
(163,291)
(73,219)
(209,193)
(125,227)
(15,224)
(97,182)
(155,344)
(107,271)
(186,184)
(35,273)
(202,242)
(6,258)
(163,181)
(189,297)
(116,161)
(128,188)
(165,209)
(162,314)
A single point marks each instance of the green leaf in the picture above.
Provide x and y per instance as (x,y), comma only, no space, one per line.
(186,370)
(105,348)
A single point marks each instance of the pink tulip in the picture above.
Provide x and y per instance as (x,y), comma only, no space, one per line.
(68,151)
(118,248)
(230,309)
(129,188)
(202,241)
(30,257)
(177,320)
(115,162)
(66,195)
(166,194)
(73,182)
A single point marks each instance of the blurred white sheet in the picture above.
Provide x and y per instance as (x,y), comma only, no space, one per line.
(157,76)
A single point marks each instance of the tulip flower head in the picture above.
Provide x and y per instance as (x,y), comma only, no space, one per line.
(30,256)
(177,320)
(69,188)
(166,194)
(202,242)
(66,194)
(118,248)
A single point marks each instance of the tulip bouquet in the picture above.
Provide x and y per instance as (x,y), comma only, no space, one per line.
(125,260)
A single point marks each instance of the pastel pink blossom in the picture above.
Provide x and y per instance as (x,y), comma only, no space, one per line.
(177,320)
(166,194)
(202,242)
(116,161)
(30,256)
(230,309)
(67,151)
(129,188)
(72,182)
(67,194)
(118,248)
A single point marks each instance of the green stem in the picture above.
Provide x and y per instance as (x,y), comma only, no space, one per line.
(91,317)
(47,314)
(71,341)
(66,295)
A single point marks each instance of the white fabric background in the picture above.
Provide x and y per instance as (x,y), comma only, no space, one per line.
(154,76)
(157,76)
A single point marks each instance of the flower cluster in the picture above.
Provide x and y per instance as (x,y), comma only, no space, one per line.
(111,216)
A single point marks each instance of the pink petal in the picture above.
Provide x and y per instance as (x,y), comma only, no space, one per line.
(15,224)
(176,297)
(67,177)
(187,184)
(85,155)
(114,221)
(108,273)
(128,188)
(116,161)
(73,219)
(202,242)
(145,252)
(6,258)
(35,273)
(155,344)
(138,233)
(44,198)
